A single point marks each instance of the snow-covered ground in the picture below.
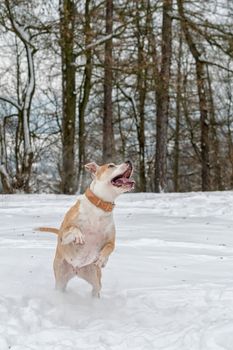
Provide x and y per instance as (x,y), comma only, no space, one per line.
(168,285)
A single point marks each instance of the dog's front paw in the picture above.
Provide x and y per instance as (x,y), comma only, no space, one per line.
(73,236)
(101,261)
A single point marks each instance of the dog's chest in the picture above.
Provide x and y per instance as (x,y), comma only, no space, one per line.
(94,224)
(97,230)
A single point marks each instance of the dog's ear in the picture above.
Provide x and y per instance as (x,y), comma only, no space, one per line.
(92,168)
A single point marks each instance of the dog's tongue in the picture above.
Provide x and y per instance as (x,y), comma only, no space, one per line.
(123,181)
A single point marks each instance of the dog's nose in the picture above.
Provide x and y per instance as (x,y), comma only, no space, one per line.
(129,163)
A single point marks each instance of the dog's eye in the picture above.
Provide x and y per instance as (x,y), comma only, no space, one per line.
(111,166)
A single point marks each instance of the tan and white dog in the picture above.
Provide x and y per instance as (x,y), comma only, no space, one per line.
(86,237)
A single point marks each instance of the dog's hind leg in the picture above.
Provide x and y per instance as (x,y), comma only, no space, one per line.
(92,274)
(63,273)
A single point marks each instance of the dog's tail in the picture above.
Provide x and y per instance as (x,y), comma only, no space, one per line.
(48,229)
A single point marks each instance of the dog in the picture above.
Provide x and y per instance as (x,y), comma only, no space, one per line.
(86,237)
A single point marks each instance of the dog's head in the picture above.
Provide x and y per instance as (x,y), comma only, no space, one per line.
(110,180)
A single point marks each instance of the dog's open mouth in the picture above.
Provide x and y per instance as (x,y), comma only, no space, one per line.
(124,179)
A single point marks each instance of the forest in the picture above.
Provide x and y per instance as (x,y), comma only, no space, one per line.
(111,80)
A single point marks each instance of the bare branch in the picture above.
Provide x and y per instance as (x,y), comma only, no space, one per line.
(102,40)
(12,102)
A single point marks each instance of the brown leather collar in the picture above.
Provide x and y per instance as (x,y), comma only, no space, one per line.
(99,203)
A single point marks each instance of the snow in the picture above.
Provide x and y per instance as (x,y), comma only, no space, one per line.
(168,285)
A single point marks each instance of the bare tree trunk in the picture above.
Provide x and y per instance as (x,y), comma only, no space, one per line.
(228,180)
(217,173)
(121,126)
(27,100)
(203,106)
(204,127)
(141,134)
(23,173)
(5,178)
(84,98)
(20,117)
(178,112)
(162,94)
(230,148)
(189,125)
(67,22)
(108,135)
(141,88)
(156,73)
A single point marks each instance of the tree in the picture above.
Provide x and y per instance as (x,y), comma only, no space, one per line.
(23,109)
(178,116)
(162,100)
(108,136)
(85,93)
(67,27)
(142,76)
(202,95)
(148,81)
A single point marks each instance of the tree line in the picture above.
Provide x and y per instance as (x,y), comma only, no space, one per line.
(146,80)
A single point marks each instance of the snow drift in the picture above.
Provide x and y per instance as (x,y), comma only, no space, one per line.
(168,285)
